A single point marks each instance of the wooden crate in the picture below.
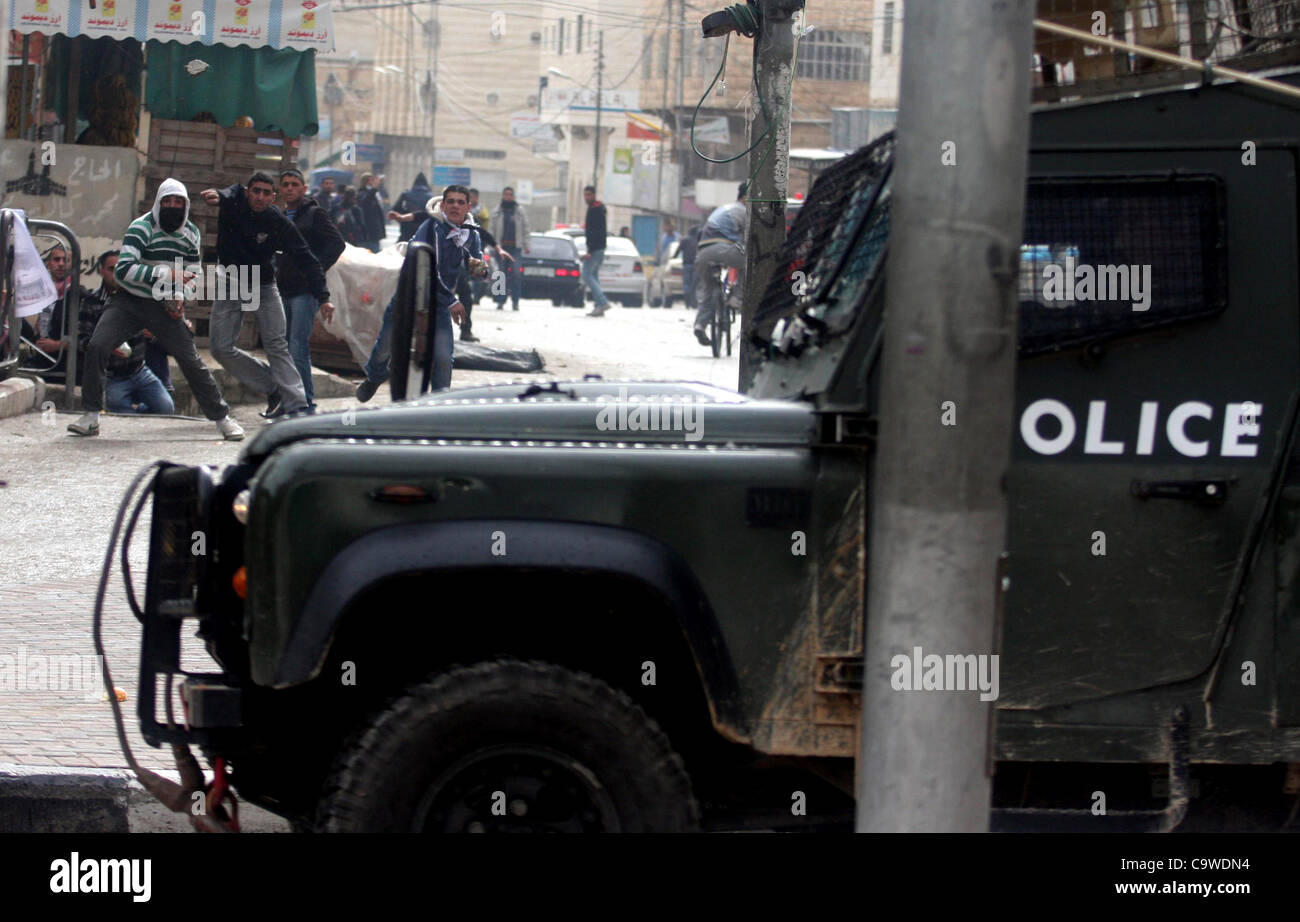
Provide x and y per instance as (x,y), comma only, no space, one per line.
(207,156)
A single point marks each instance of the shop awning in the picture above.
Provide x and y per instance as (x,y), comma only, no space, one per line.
(298,24)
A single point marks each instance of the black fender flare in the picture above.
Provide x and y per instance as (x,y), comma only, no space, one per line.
(431,546)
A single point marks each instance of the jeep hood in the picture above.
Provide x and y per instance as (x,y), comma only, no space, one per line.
(615,412)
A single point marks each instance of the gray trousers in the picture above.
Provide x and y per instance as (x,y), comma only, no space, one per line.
(281,374)
(709,259)
(125,316)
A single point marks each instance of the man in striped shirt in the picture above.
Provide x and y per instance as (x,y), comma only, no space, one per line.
(147,263)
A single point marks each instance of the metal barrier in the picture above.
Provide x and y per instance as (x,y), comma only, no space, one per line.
(71,301)
(9,324)
(71,304)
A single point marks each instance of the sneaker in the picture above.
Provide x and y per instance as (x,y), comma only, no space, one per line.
(366,389)
(88,424)
(230,430)
(702,336)
(597,312)
(274,406)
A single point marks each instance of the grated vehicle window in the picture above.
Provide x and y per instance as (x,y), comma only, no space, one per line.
(1105,256)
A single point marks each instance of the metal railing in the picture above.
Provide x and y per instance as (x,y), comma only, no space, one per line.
(12,326)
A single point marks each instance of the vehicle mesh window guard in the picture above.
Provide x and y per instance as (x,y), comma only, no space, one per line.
(1114,255)
(821,232)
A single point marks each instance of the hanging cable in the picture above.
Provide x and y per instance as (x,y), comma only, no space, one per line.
(746,19)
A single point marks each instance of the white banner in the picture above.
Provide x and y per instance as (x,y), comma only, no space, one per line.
(111,18)
(299,24)
(305,24)
(242,22)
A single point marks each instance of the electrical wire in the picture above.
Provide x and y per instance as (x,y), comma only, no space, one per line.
(747,19)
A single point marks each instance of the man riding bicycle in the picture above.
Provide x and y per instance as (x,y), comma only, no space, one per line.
(721,244)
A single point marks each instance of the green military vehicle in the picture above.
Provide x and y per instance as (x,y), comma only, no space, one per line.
(640,606)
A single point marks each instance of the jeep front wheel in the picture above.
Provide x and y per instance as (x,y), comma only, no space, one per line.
(510,746)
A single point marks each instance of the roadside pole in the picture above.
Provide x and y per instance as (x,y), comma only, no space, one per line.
(946,407)
(773,56)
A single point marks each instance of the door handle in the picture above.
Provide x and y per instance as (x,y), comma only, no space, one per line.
(1201,491)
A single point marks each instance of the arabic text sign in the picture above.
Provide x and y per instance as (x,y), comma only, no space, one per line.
(302,24)
(90,189)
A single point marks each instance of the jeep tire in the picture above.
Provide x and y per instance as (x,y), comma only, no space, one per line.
(510,746)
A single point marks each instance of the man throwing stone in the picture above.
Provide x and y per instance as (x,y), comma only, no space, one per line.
(249,231)
(152,244)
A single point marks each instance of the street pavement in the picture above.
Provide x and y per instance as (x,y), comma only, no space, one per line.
(59,495)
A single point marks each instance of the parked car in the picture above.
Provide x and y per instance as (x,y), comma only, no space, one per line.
(551,270)
(665,285)
(622,277)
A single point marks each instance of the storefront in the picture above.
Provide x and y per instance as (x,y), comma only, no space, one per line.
(103,95)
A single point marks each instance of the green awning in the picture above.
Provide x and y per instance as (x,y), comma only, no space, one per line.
(99,60)
(277,89)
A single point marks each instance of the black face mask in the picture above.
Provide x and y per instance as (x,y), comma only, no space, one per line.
(171,219)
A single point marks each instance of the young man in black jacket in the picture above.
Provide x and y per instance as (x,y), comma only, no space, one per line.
(326,245)
(594,227)
(249,232)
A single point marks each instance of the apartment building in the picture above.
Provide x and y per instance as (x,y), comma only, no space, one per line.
(833,71)
(436,88)
(584,46)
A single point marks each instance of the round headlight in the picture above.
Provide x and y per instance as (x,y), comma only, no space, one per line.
(240,506)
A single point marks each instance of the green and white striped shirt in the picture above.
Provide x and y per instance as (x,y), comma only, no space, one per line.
(149,253)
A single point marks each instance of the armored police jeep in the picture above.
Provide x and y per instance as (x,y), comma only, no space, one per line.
(640,605)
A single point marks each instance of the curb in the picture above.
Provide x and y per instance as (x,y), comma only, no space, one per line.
(19,394)
(94,800)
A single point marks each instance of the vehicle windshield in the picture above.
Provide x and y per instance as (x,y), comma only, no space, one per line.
(544,247)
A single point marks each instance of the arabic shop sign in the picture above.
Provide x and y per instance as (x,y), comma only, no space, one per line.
(90,189)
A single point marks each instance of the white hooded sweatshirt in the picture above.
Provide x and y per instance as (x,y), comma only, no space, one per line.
(149,252)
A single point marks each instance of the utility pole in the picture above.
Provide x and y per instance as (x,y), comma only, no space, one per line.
(435,40)
(677,119)
(946,405)
(663,113)
(768,166)
(600,83)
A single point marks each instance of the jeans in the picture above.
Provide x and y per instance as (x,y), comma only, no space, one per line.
(514,276)
(125,316)
(709,260)
(140,393)
(688,284)
(377,366)
(590,276)
(280,374)
(300,312)
(155,358)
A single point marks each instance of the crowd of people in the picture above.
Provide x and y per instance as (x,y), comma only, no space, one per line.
(131,324)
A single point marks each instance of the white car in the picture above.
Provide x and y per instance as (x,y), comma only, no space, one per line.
(665,286)
(622,277)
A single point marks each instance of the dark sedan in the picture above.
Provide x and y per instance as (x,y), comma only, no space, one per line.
(551,270)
